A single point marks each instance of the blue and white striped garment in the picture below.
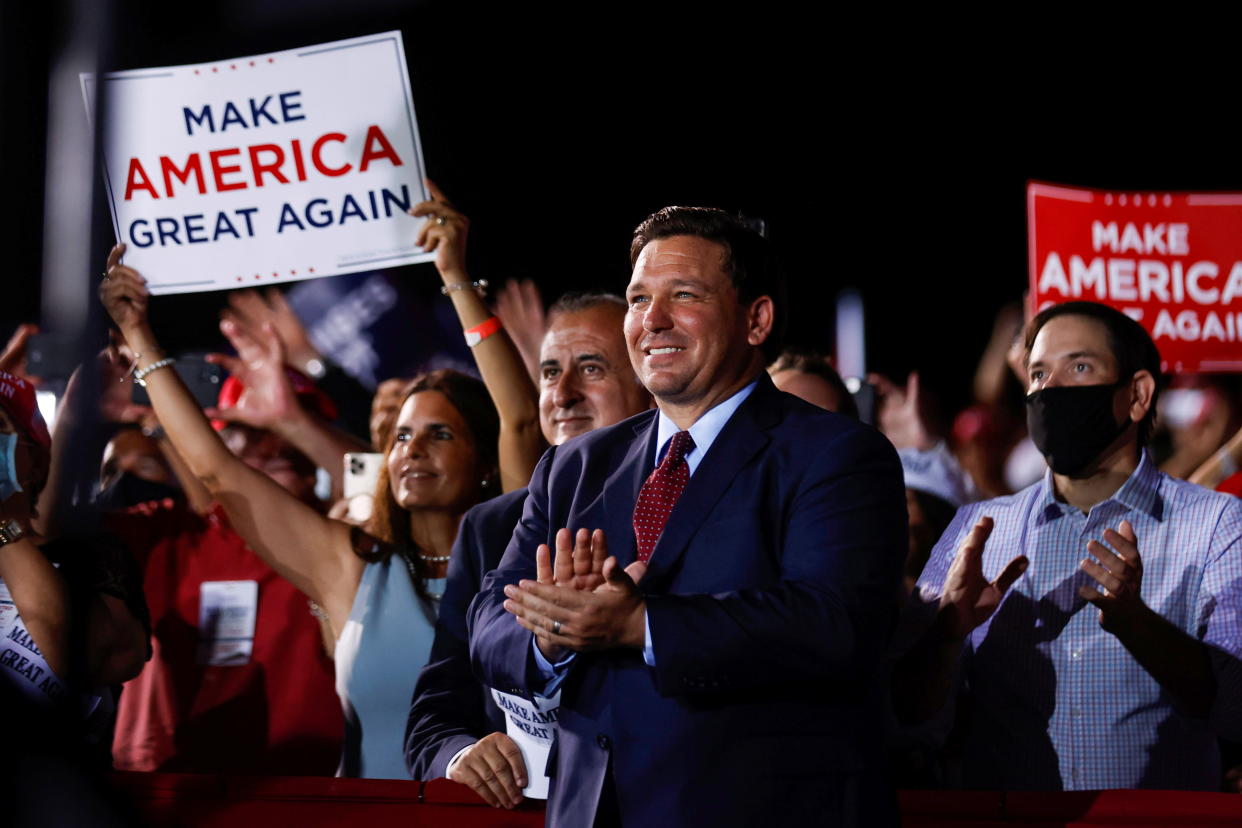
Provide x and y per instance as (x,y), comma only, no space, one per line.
(1055,702)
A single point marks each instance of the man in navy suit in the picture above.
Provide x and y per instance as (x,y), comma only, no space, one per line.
(455,729)
(733,678)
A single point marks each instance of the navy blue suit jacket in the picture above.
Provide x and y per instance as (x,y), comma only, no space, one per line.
(770,598)
(451,709)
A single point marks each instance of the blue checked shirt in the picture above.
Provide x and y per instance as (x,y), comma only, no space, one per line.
(1055,701)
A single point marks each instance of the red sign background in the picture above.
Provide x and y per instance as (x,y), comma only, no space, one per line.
(1172,261)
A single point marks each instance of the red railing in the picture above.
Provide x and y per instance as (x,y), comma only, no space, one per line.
(309,802)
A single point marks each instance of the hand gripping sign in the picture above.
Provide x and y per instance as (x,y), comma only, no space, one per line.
(271,168)
(1172,261)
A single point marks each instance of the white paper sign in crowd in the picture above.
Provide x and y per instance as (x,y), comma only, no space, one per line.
(264,169)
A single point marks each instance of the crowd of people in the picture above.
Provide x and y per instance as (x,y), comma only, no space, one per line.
(647,564)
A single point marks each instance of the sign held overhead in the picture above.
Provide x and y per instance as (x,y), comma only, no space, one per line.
(1171,261)
(265,169)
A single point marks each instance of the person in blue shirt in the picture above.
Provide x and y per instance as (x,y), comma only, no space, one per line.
(1094,616)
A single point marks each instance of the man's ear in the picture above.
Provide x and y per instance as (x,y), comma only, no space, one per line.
(1142,390)
(759,319)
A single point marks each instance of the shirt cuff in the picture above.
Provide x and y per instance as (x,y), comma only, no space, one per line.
(648,651)
(448,769)
(553,674)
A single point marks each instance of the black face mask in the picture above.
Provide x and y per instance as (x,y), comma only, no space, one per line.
(1072,425)
(130,490)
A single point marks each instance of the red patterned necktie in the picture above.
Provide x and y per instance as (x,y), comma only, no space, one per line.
(659,494)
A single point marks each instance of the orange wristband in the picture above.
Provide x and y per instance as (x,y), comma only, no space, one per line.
(482,331)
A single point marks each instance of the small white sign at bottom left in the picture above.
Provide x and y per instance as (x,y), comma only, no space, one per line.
(226,617)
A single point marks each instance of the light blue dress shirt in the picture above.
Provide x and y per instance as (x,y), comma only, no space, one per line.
(1058,702)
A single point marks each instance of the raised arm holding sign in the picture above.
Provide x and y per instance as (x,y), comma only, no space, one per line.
(265,169)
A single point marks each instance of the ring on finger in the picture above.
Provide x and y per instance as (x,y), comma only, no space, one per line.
(556,627)
(440,220)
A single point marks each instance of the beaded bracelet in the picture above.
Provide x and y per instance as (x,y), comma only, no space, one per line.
(141,373)
(475,285)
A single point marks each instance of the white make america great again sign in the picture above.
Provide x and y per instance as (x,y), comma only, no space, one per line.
(263,169)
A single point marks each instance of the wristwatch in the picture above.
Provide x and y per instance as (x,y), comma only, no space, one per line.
(10,530)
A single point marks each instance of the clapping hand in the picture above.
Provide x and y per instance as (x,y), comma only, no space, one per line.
(969,599)
(1119,571)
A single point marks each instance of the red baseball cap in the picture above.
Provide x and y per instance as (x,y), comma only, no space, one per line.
(17,397)
(309,396)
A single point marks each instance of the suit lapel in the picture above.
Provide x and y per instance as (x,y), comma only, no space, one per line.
(744,436)
(621,491)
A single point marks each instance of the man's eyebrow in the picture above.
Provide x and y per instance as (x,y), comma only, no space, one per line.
(1080,354)
(591,358)
(550,363)
(689,282)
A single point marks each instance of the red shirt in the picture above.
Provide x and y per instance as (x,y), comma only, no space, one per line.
(276,714)
(1232,485)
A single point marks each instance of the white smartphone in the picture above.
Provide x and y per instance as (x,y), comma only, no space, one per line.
(362,470)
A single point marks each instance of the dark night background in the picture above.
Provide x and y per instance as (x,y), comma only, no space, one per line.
(896,164)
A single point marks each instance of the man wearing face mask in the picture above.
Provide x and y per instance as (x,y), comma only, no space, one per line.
(1094,616)
(134,471)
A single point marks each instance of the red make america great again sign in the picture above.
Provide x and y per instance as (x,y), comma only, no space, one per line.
(1172,261)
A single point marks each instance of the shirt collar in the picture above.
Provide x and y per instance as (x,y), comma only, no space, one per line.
(705,429)
(1140,492)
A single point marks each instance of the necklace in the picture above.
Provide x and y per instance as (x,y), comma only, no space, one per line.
(434,558)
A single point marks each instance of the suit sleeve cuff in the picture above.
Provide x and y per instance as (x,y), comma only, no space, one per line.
(553,674)
(452,763)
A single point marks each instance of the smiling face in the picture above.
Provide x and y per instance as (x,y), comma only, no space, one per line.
(585,377)
(691,341)
(433,463)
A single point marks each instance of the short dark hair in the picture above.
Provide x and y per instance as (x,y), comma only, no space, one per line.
(750,260)
(812,362)
(577,301)
(1131,345)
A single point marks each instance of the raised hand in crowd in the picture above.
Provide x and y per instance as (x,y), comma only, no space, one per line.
(507,380)
(249,311)
(901,415)
(13,357)
(520,307)
(269,399)
(1004,357)
(116,403)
